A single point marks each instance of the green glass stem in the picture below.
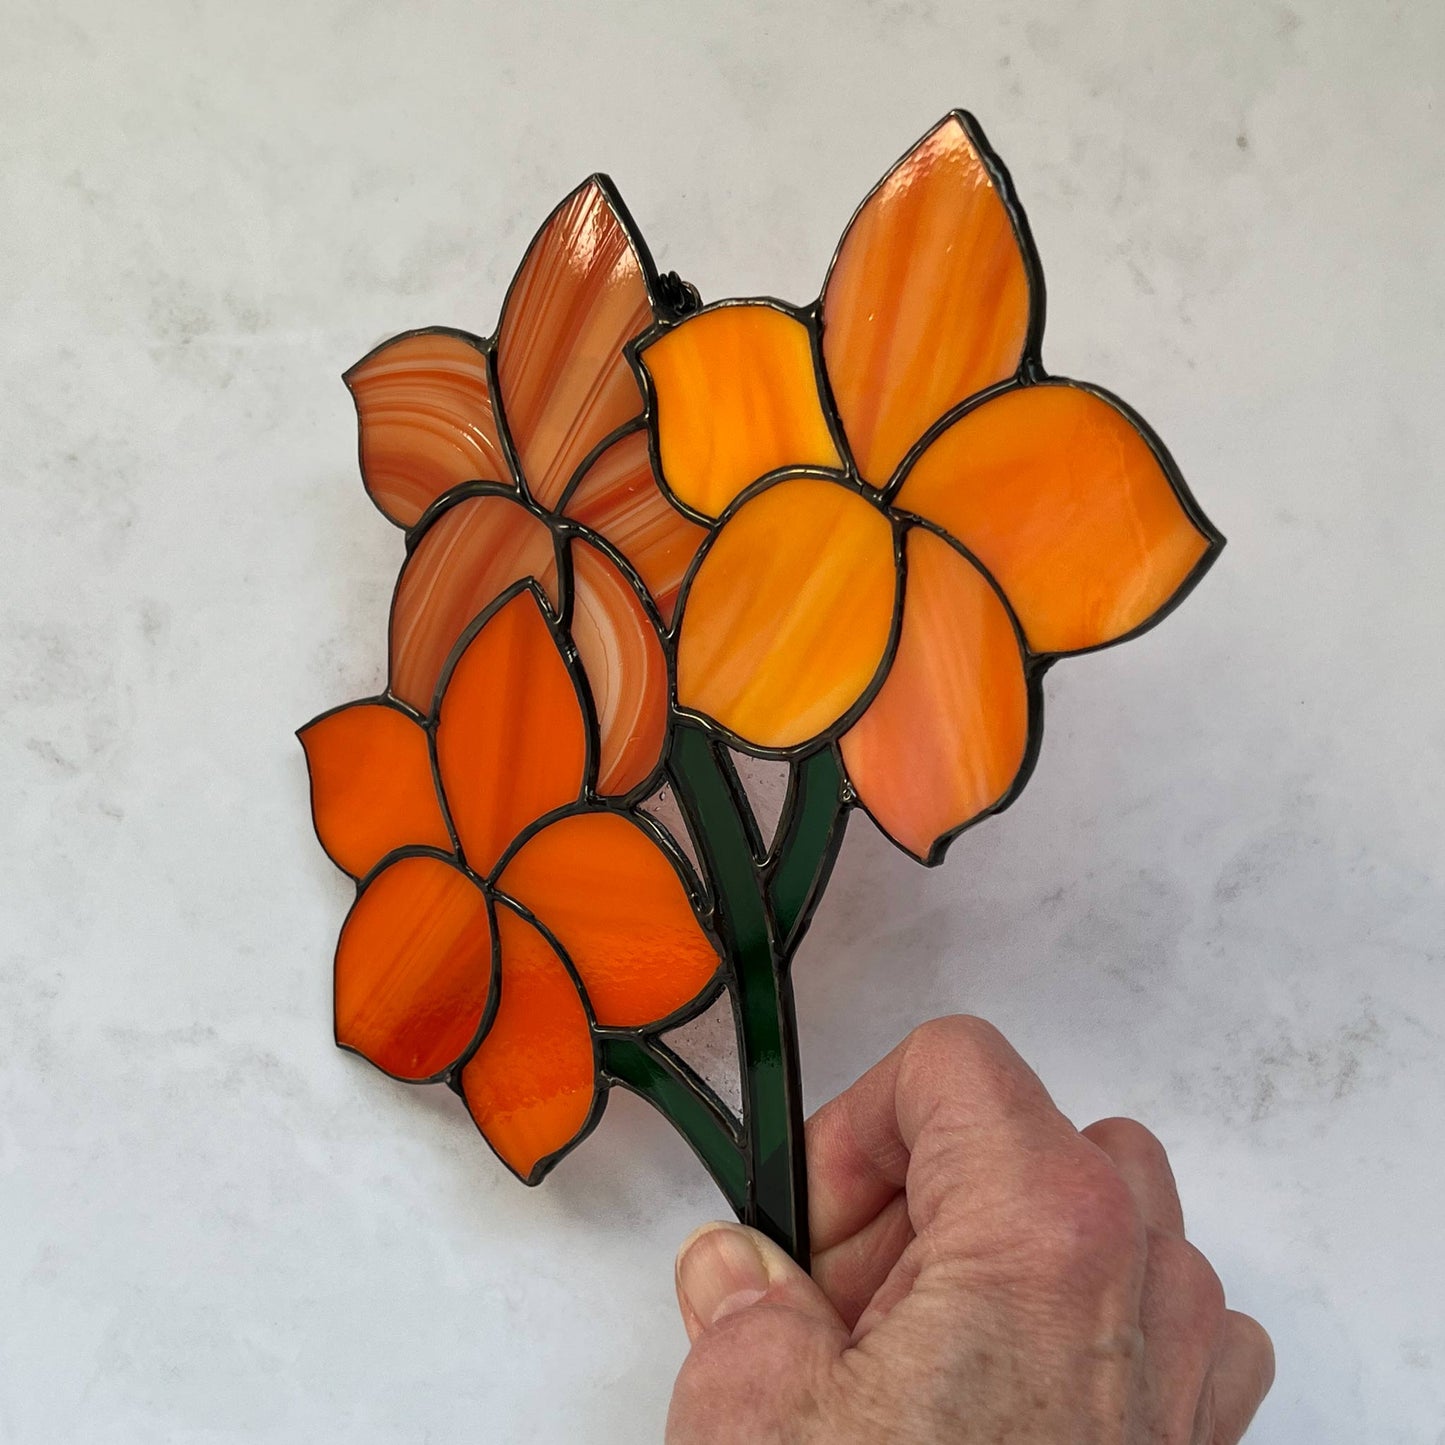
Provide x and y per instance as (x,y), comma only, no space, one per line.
(757,958)
(650,1069)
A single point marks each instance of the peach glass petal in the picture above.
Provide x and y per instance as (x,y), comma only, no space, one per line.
(424,407)
(927,302)
(465,560)
(619,498)
(414,968)
(625,668)
(737,397)
(1056,492)
(371,785)
(609,895)
(578,298)
(789,614)
(531,1083)
(947,732)
(511,742)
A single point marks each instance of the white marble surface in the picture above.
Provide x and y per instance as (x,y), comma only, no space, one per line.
(1218,906)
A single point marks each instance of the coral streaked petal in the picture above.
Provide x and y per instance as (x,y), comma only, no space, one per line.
(625,667)
(618,497)
(464,561)
(531,1083)
(737,397)
(615,902)
(788,616)
(414,968)
(371,785)
(928,301)
(511,740)
(424,406)
(1057,493)
(947,733)
(578,298)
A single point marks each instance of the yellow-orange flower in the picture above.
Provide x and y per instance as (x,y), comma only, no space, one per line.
(500,915)
(909,518)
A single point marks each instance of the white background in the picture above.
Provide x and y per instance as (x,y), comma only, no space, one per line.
(1219,905)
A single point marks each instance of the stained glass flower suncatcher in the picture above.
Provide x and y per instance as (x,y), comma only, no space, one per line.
(641,533)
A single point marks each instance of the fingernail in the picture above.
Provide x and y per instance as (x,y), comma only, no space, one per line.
(719,1271)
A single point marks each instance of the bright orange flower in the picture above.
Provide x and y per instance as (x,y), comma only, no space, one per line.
(500,916)
(526,456)
(909,519)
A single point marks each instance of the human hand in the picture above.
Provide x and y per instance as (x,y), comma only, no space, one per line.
(982,1271)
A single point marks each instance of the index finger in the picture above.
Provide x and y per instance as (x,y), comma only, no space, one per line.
(947,1104)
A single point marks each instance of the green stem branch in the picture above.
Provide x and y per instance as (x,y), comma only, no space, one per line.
(650,1069)
(777,1201)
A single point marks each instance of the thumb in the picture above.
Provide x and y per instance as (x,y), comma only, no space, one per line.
(763,1338)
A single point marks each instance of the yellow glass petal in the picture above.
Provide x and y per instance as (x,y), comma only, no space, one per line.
(464,561)
(615,902)
(424,406)
(1058,494)
(531,1083)
(579,297)
(737,397)
(789,613)
(945,736)
(928,301)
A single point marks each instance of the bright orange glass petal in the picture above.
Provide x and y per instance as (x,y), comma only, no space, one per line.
(947,732)
(612,899)
(578,298)
(928,301)
(625,667)
(511,742)
(619,498)
(789,613)
(371,785)
(1056,492)
(424,406)
(465,560)
(737,397)
(531,1083)
(414,968)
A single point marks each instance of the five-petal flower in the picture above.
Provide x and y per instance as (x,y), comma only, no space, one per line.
(909,519)
(501,916)
(525,456)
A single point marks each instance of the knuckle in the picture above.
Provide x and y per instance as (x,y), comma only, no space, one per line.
(1122,1138)
(1088,1219)
(1202,1289)
(952,1035)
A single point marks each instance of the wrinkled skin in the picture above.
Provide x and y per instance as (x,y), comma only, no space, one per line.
(985,1272)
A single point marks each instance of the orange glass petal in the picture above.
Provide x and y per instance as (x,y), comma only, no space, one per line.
(424,406)
(414,968)
(578,298)
(614,901)
(947,732)
(511,742)
(619,498)
(531,1083)
(465,560)
(1056,492)
(625,667)
(928,300)
(789,613)
(371,785)
(737,397)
